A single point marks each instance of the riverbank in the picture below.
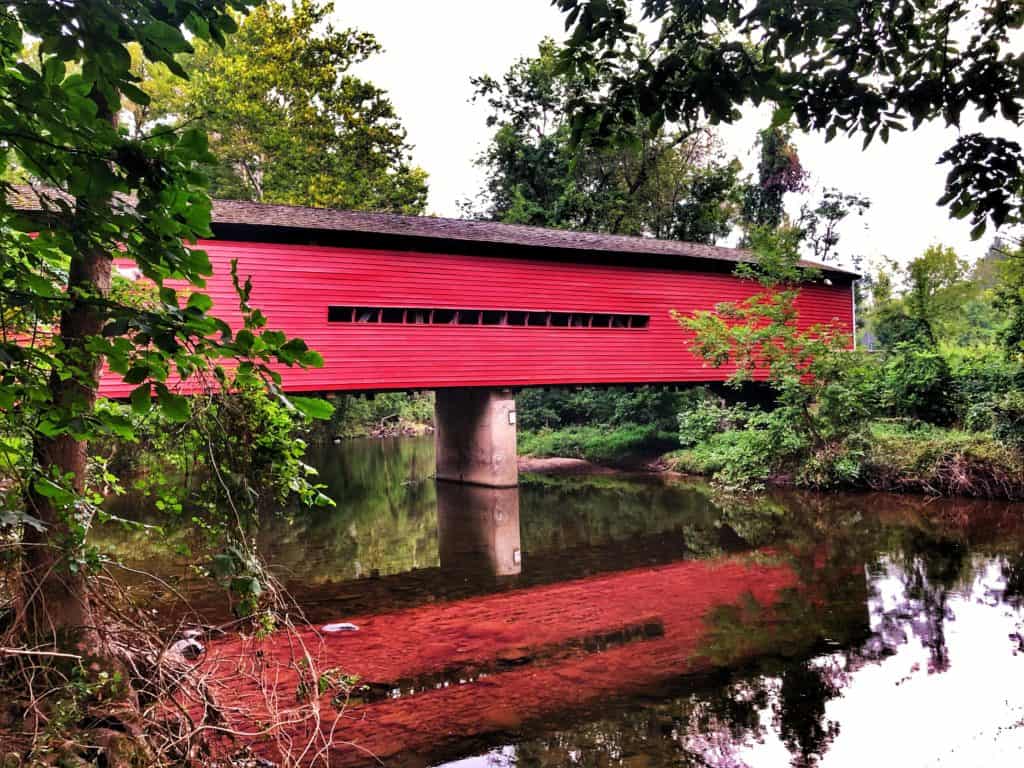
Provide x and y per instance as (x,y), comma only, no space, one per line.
(891,456)
(629,445)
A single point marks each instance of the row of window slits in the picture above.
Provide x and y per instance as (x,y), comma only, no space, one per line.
(397,315)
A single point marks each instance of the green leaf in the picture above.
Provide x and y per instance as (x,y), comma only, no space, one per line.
(168,296)
(222,566)
(200,301)
(141,398)
(175,407)
(136,374)
(135,94)
(50,490)
(313,407)
(311,359)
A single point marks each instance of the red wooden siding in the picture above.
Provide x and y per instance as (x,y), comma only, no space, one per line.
(294,285)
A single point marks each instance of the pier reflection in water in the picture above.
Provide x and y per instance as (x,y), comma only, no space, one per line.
(478,530)
(653,623)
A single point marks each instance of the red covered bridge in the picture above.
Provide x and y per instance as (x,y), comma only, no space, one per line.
(474,308)
(404,302)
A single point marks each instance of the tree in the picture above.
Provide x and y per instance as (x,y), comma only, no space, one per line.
(865,67)
(941,301)
(102,192)
(825,391)
(779,173)
(1010,300)
(670,184)
(289,121)
(936,286)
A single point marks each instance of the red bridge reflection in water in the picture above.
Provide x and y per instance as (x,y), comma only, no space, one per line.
(440,675)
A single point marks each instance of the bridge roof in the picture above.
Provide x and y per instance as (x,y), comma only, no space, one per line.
(247,220)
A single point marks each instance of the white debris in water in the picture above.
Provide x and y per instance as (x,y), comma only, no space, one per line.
(341,626)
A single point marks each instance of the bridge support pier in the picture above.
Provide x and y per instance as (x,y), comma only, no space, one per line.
(475,434)
(478,529)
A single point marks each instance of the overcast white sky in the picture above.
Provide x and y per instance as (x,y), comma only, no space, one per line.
(433,48)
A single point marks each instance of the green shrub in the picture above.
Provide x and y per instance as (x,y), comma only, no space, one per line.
(1008,419)
(605,406)
(919,385)
(836,465)
(704,419)
(939,461)
(981,376)
(893,326)
(758,445)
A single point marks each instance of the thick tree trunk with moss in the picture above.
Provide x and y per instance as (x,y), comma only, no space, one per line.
(54,588)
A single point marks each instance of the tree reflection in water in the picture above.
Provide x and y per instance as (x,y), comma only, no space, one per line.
(904,571)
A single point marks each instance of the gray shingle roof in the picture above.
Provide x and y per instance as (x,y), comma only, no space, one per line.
(241,213)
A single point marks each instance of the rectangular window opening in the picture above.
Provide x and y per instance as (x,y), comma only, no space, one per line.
(535,319)
(444,316)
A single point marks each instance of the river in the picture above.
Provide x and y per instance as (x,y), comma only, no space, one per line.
(646,621)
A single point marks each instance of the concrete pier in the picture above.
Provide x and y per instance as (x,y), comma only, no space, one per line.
(478,529)
(475,433)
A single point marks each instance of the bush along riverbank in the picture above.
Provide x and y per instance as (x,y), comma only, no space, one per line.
(937,407)
(897,456)
(622,445)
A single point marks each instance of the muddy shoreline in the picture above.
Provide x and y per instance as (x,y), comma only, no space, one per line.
(566,467)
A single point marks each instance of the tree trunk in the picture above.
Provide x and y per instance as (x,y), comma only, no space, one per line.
(55,598)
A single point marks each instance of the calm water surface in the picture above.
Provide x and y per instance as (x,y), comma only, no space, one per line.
(614,621)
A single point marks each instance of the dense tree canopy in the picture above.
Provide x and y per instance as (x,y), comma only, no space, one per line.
(289,122)
(660,182)
(866,67)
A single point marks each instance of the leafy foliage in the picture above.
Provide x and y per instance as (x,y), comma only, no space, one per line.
(609,406)
(600,444)
(779,173)
(105,191)
(919,385)
(826,392)
(865,67)
(290,121)
(1009,299)
(1008,419)
(670,184)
